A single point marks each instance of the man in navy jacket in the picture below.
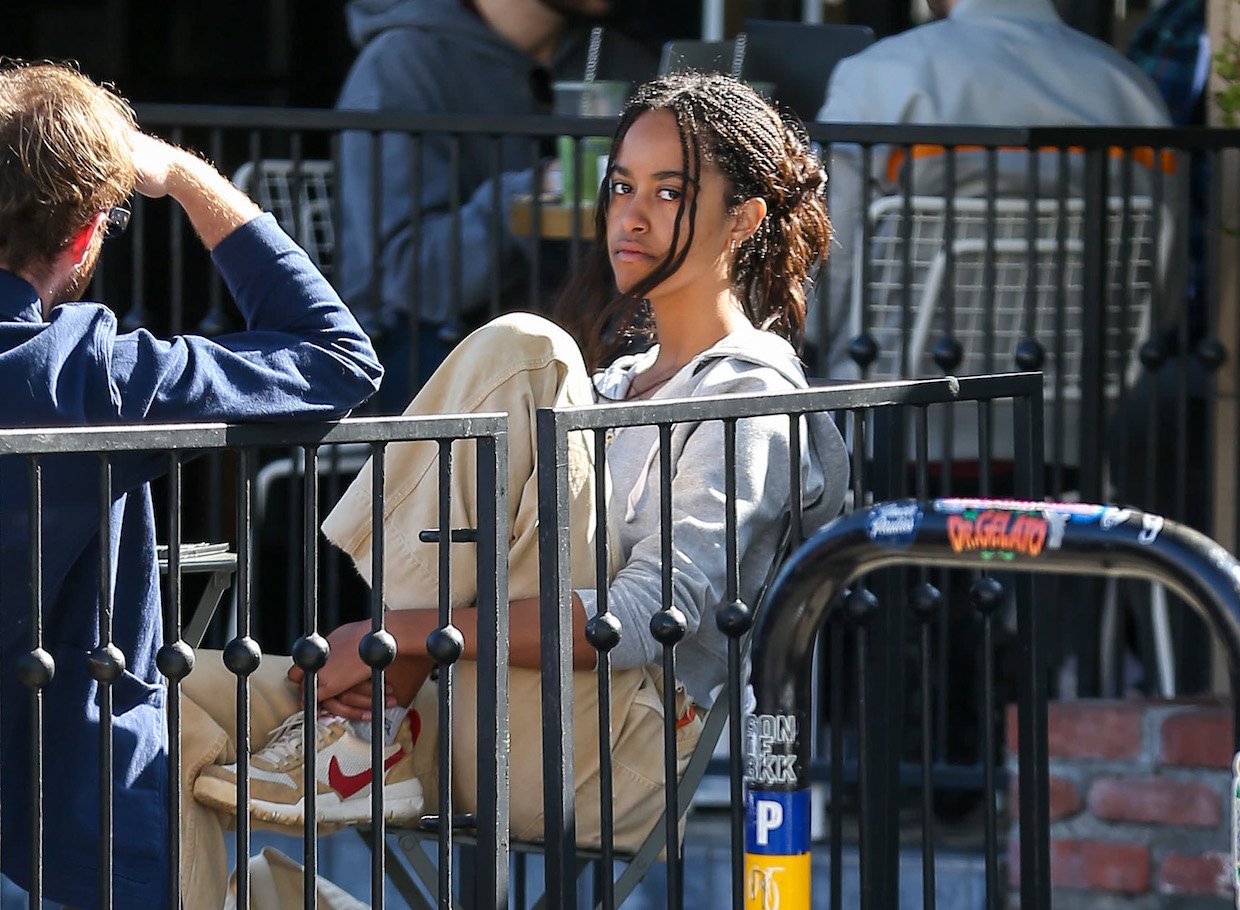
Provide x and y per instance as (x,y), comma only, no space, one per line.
(70,155)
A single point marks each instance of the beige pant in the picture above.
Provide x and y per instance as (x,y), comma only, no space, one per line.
(516,364)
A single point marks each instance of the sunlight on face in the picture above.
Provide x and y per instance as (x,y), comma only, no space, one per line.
(646,187)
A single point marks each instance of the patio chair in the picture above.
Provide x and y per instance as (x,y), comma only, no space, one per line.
(991,320)
(990,326)
(299,194)
(637,863)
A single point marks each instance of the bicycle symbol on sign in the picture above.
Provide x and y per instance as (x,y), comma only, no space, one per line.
(762,884)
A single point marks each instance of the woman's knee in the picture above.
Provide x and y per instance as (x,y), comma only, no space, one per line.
(524,338)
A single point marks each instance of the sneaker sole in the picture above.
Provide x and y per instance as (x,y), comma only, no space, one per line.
(401,802)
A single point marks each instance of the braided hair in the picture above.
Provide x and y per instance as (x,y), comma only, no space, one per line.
(761,153)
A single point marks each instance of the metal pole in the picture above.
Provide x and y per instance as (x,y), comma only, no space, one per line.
(712,20)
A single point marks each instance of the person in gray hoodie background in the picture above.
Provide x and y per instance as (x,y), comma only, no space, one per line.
(450,57)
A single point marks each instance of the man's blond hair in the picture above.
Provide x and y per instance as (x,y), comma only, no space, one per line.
(64,157)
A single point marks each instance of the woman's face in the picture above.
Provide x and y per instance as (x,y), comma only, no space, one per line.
(646,189)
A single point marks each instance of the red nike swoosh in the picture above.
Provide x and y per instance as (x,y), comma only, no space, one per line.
(348,784)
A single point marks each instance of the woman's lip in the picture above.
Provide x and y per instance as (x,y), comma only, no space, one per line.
(630,255)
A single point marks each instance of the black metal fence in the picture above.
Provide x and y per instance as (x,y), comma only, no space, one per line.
(877,418)
(55,455)
(884,423)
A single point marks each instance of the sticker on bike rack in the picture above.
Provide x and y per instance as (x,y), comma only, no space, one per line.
(777,858)
(1113,517)
(893,523)
(1076,511)
(771,750)
(1151,527)
(998,534)
(1059,514)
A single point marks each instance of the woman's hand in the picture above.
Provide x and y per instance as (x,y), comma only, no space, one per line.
(344,681)
(345,668)
(355,703)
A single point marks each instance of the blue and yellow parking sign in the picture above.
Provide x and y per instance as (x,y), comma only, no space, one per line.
(777,867)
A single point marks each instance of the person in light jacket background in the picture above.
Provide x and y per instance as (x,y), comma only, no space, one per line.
(982,63)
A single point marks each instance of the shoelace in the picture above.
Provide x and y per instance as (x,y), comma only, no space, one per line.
(286,739)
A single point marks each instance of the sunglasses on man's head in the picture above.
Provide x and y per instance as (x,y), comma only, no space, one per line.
(117,220)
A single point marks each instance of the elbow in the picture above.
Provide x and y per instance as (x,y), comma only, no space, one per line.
(361,374)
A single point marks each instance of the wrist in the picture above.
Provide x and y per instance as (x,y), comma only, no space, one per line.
(184,176)
(410,628)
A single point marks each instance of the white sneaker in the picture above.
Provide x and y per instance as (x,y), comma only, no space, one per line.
(342,776)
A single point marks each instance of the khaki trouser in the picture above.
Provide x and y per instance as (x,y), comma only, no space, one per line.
(516,364)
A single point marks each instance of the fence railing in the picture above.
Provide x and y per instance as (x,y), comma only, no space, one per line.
(124,459)
(876,417)
(884,422)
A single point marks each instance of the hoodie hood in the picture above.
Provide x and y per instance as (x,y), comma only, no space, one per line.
(367,18)
(459,27)
(735,363)
(748,345)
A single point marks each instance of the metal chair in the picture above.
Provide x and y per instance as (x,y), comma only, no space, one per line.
(990,321)
(995,303)
(299,194)
(637,863)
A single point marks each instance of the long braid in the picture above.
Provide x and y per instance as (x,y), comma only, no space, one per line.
(762,154)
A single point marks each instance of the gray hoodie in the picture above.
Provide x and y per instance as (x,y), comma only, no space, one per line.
(439,57)
(744,361)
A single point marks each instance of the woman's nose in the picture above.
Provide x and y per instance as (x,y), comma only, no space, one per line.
(633,215)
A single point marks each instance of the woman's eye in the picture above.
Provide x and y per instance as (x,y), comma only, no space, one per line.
(620,188)
(667,194)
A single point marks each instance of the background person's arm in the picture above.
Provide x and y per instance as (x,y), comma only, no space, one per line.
(380,271)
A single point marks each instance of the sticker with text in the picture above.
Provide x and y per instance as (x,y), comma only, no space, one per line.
(771,750)
(893,523)
(995,534)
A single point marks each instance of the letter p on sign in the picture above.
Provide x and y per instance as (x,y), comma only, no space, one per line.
(770,815)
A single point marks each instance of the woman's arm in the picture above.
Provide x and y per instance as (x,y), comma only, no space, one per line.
(345,669)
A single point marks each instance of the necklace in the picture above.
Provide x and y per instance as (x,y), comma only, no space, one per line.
(636,391)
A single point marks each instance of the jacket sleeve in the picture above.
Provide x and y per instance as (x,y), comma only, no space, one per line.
(699,556)
(389,262)
(303,354)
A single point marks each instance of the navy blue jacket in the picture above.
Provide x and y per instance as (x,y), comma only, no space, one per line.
(304,357)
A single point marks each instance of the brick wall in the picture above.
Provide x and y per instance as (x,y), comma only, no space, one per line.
(1140,805)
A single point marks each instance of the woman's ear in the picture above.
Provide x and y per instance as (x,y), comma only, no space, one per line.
(749,215)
